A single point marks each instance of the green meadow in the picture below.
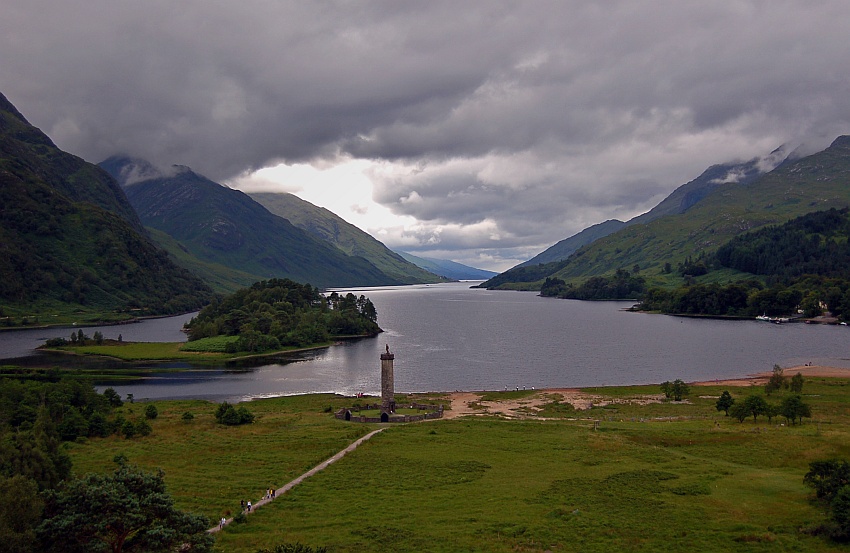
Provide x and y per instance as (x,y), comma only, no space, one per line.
(658,477)
(205,350)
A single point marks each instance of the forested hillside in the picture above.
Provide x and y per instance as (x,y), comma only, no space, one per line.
(70,244)
(803,264)
(815,244)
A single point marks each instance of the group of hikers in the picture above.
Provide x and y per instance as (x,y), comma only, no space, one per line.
(246,506)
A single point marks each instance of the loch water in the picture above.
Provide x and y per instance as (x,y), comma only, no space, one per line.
(453,337)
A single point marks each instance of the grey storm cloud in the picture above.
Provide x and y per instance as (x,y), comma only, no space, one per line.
(538,118)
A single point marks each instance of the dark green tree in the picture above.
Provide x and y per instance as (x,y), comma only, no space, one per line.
(755,406)
(128,429)
(20,513)
(724,402)
(771,410)
(127,510)
(143,428)
(796,385)
(112,396)
(679,389)
(827,477)
(227,414)
(739,411)
(793,408)
(151,412)
(840,507)
(776,381)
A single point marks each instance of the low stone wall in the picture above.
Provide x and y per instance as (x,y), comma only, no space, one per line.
(350,413)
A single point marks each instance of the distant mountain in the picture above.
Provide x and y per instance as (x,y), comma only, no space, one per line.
(567,246)
(219,225)
(449,269)
(69,239)
(331,228)
(704,214)
(679,201)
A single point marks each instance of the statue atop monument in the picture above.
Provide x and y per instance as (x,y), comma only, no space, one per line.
(387,386)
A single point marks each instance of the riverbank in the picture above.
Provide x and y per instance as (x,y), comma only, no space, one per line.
(537,404)
(760,379)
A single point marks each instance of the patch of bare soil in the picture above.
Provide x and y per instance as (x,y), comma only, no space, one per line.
(467,404)
(470,404)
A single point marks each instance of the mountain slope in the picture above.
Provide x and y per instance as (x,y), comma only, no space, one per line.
(568,246)
(331,228)
(69,240)
(28,151)
(724,210)
(679,201)
(449,269)
(220,225)
(813,183)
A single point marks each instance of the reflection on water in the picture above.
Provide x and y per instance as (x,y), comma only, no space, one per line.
(448,337)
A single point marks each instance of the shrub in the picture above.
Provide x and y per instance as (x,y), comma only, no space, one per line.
(229,415)
(151,412)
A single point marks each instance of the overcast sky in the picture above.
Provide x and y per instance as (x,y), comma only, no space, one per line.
(478,131)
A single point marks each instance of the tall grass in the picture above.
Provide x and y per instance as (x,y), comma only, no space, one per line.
(660,477)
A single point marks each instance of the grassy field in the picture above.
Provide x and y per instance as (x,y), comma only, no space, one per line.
(658,477)
(206,350)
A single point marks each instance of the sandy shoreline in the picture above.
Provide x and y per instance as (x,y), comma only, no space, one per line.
(760,379)
(465,404)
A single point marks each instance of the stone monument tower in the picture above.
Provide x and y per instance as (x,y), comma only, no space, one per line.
(387,393)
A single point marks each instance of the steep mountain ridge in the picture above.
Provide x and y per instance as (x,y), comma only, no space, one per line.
(220,225)
(335,230)
(679,201)
(724,210)
(69,239)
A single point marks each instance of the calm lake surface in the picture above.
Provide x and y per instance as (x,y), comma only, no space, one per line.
(451,337)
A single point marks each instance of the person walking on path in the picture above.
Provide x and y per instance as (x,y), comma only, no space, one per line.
(321,466)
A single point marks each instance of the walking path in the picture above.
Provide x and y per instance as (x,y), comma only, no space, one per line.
(321,466)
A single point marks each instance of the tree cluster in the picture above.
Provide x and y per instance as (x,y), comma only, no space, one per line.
(622,285)
(792,406)
(805,263)
(42,509)
(831,482)
(815,243)
(279,312)
(675,390)
(750,298)
(127,510)
(227,414)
